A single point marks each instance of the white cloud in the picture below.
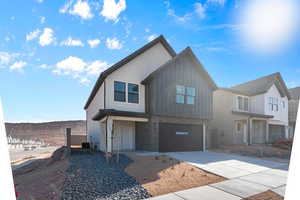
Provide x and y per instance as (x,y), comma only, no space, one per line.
(269,26)
(96,67)
(6,58)
(147,30)
(47,37)
(151,37)
(32,35)
(113,43)
(94,43)
(111,10)
(220,2)
(40,1)
(80,69)
(80,8)
(18,66)
(70,66)
(44,66)
(72,42)
(84,81)
(43,19)
(200,10)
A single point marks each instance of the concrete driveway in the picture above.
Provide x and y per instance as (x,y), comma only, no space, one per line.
(246,176)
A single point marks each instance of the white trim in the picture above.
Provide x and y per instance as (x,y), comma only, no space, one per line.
(137,119)
(204,136)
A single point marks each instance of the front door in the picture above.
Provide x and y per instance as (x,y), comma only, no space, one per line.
(259,131)
(240,132)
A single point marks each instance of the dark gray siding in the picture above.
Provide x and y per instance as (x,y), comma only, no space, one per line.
(161,90)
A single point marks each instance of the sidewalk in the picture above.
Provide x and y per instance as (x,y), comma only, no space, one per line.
(246,177)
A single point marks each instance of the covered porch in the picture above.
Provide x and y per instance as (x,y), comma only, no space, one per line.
(118,129)
(258,129)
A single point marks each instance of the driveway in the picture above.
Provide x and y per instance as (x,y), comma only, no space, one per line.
(246,176)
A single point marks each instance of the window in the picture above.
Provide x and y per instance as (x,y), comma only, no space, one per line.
(119,93)
(243,103)
(238,126)
(283,104)
(182,133)
(190,95)
(133,93)
(273,104)
(185,95)
(180,91)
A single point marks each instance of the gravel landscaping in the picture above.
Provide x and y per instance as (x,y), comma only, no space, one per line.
(90,177)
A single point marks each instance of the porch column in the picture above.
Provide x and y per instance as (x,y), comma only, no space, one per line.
(286,129)
(250,130)
(204,136)
(109,127)
(267,131)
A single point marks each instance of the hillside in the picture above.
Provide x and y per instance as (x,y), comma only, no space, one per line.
(52,133)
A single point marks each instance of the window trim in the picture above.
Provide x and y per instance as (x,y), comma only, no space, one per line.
(115,100)
(243,103)
(184,94)
(138,93)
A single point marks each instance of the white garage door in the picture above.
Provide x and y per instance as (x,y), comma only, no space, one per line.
(124,136)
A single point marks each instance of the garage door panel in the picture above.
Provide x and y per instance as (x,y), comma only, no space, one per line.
(180,137)
(276,132)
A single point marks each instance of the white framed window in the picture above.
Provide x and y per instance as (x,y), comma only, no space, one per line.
(273,104)
(180,92)
(129,96)
(243,103)
(185,95)
(238,126)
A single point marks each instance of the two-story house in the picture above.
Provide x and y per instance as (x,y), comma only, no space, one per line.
(152,100)
(254,112)
(293,109)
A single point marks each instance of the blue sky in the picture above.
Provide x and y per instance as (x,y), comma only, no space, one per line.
(52,51)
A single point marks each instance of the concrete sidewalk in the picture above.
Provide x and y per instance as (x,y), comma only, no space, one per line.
(247,176)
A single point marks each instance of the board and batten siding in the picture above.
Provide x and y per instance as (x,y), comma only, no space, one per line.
(161,94)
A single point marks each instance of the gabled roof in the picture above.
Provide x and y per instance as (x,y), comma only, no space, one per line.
(295,93)
(186,51)
(262,85)
(126,60)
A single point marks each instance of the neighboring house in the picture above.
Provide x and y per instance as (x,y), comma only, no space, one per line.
(293,109)
(152,100)
(254,112)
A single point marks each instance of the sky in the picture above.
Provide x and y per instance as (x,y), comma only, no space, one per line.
(52,51)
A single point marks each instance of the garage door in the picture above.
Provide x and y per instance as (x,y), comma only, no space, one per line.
(180,137)
(276,132)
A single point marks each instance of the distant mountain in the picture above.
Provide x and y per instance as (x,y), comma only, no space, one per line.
(52,133)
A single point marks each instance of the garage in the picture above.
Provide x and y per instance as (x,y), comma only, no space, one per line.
(276,132)
(180,137)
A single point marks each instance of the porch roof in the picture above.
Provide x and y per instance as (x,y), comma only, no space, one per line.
(252,114)
(112,112)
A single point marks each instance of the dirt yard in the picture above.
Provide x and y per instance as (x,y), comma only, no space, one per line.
(268,195)
(43,178)
(162,174)
(262,151)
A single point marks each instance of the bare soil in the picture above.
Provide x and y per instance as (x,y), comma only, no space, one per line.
(268,195)
(43,178)
(162,174)
(262,151)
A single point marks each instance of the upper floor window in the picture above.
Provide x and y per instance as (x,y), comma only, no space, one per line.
(133,93)
(243,103)
(273,104)
(185,95)
(119,91)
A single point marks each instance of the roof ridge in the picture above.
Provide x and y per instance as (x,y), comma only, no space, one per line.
(127,59)
(267,76)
